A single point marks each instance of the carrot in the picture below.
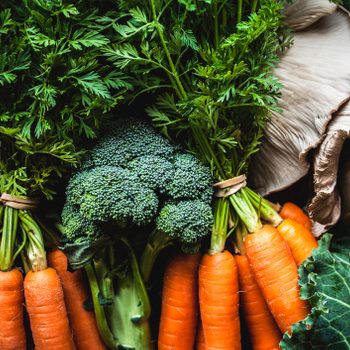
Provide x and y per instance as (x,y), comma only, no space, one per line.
(12,332)
(300,240)
(263,330)
(277,276)
(47,311)
(292,211)
(219,301)
(179,313)
(76,292)
(200,343)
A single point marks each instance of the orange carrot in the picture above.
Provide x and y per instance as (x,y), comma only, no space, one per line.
(179,314)
(219,301)
(47,311)
(292,211)
(200,343)
(76,292)
(277,276)
(263,330)
(12,333)
(300,240)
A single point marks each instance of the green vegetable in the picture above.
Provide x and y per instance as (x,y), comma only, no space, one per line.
(131,188)
(325,283)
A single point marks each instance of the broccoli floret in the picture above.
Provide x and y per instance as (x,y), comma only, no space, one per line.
(76,227)
(129,140)
(75,188)
(186,221)
(153,171)
(111,193)
(135,192)
(191,180)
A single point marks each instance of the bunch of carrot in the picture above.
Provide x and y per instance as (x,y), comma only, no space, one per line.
(53,297)
(262,279)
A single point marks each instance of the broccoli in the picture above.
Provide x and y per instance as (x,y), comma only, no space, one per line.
(134,179)
(127,179)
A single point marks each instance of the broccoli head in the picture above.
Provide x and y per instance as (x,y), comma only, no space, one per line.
(136,177)
(186,221)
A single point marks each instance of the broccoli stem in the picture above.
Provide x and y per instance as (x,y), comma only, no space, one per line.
(156,243)
(120,299)
(102,324)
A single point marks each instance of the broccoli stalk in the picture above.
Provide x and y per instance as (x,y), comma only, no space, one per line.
(185,223)
(120,296)
(132,183)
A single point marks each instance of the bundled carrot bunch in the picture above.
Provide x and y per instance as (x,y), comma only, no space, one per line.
(262,279)
(53,297)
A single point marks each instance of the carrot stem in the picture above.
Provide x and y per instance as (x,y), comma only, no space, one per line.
(239,11)
(21,246)
(35,249)
(267,212)
(254,5)
(219,231)
(8,238)
(245,210)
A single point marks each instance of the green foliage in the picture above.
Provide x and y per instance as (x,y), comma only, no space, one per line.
(214,71)
(55,86)
(325,283)
(186,221)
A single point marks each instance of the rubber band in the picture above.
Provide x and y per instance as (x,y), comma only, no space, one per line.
(229,187)
(18,202)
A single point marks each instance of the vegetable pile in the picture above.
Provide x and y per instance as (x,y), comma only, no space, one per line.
(126,221)
(133,196)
